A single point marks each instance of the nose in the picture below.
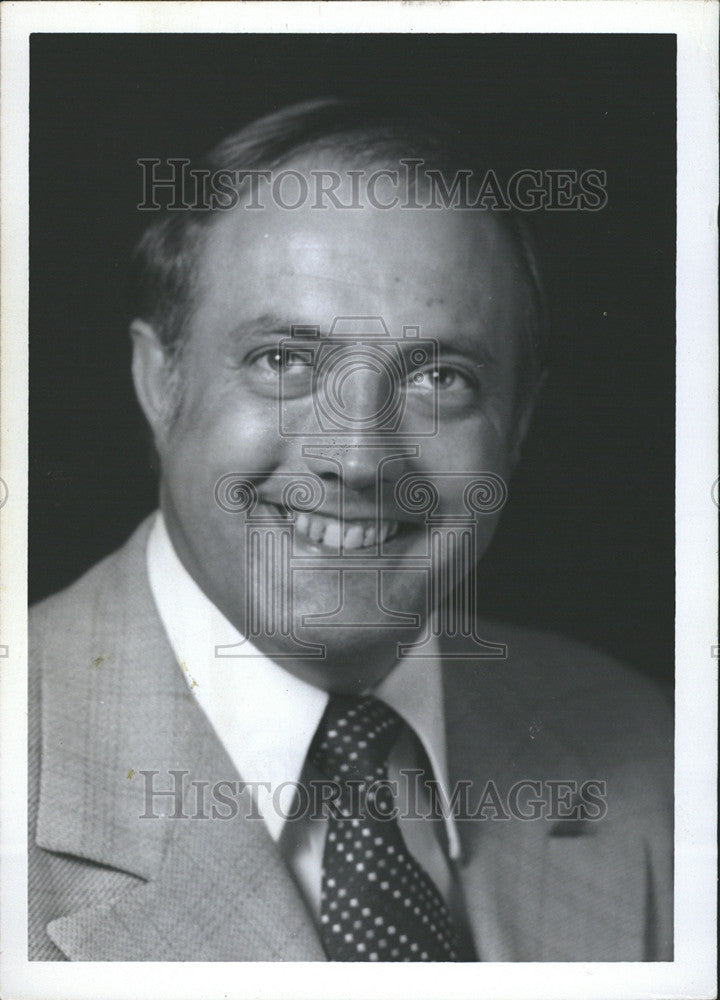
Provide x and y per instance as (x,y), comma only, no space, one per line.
(357,408)
(357,465)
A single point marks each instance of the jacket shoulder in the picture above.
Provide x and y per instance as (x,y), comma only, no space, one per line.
(67,622)
(546,664)
(585,697)
(70,634)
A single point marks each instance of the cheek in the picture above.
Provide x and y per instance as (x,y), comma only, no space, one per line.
(474,451)
(476,444)
(221,436)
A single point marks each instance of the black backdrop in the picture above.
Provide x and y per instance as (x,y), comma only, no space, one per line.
(586,546)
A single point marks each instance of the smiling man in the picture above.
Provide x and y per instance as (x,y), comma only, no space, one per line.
(333,383)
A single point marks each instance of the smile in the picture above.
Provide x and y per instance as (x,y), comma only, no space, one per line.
(333,533)
(348,535)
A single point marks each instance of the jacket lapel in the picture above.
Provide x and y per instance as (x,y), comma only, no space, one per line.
(216,889)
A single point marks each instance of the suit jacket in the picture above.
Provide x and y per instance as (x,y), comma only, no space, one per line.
(107,700)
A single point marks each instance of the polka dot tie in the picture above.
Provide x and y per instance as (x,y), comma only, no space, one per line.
(377,903)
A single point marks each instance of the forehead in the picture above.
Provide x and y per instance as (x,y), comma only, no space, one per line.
(440,269)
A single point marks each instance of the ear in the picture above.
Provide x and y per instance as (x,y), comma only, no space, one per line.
(522,424)
(152,376)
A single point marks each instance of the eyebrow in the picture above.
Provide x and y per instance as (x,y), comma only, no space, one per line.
(271,324)
(472,345)
(259,327)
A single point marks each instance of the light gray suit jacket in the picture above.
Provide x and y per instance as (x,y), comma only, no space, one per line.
(107,700)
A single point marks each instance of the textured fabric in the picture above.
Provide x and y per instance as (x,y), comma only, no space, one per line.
(378,903)
(106,883)
(107,700)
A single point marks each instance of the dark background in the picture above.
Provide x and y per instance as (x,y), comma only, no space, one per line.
(586,546)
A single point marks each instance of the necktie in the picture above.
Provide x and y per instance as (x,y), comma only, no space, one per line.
(377,903)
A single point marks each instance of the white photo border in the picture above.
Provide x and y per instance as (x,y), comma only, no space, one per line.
(692,973)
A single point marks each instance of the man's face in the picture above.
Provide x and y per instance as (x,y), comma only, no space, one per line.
(457,277)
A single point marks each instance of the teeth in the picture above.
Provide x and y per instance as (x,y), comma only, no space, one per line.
(356,535)
(317,528)
(333,534)
(353,537)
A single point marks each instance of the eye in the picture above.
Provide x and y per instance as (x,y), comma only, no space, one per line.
(271,370)
(275,361)
(443,378)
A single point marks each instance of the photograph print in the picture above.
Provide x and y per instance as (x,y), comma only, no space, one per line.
(351,521)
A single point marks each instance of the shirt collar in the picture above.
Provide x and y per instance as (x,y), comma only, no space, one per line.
(234,683)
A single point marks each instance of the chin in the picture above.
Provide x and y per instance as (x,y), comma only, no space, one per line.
(353,659)
(337,658)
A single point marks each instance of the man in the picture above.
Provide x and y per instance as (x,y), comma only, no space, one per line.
(338,387)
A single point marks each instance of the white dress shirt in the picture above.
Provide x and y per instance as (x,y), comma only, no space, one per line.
(266,718)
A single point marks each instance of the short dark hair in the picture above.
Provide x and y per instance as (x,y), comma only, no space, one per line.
(164,271)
